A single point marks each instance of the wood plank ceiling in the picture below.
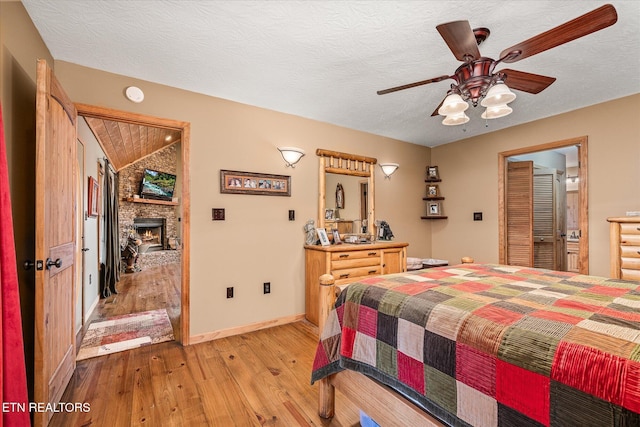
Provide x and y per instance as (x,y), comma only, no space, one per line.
(126,143)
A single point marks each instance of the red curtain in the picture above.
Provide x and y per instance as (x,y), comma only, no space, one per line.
(13,373)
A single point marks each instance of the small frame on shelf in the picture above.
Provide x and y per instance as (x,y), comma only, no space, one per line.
(432,173)
(434,209)
(433,191)
(329,214)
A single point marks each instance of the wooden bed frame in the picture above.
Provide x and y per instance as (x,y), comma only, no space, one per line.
(384,405)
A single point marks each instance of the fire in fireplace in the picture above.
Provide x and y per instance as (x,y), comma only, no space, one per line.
(152,233)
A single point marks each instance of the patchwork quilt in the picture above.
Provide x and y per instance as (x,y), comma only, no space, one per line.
(492,345)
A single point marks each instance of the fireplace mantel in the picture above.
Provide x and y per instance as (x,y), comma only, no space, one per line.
(150,201)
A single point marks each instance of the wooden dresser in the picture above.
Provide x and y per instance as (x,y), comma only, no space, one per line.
(349,263)
(625,247)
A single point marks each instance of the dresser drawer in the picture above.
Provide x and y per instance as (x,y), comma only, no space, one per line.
(630,239)
(630,263)
(630,274)
(354,263)
(630,228)
(630,251)
(373,253)
(349,275)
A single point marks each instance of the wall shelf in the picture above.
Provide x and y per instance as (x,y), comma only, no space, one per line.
(151,201)
(434,217)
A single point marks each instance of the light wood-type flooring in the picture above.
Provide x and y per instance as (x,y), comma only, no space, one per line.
(260,378)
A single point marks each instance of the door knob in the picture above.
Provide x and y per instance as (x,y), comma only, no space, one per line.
(57,263)
(28,264)
(84,249)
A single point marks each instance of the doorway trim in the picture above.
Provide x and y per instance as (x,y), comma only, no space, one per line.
(581,143)
(185,132)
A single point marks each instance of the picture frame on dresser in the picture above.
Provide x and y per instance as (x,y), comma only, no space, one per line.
(323,237)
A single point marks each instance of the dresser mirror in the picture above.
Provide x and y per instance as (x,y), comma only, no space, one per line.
(355,174)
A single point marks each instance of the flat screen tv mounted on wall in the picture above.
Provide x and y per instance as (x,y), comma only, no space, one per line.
(157,185)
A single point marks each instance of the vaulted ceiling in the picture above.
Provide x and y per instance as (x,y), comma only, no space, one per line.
(126,143)
(325,60)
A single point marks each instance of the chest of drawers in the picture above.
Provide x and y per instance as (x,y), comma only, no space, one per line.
(625,247)
(347,264)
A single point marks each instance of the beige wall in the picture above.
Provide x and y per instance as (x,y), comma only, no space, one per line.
(257,243)
(469,171)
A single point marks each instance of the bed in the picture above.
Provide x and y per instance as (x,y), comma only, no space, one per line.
(483,345)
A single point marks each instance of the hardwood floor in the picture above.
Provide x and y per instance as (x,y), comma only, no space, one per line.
(149,289)
(255,379)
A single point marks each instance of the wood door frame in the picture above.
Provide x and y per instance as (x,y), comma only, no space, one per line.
(185,132)
(581,143)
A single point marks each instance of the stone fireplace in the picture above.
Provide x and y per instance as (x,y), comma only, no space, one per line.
(156,222)
(152,232)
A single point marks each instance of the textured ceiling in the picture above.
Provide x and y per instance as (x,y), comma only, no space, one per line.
(325,60)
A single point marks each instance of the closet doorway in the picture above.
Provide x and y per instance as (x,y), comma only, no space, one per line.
(518,229)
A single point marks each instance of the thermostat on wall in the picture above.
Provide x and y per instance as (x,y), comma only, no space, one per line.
(134,94)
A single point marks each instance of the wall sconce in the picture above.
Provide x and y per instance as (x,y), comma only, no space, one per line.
(388,169)
(291,155)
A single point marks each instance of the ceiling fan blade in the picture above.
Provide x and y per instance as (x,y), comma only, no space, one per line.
(435,112)
(460,38)
(586,24)
(410,85)
(527,82)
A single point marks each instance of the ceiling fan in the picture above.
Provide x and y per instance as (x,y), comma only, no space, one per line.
(477,80)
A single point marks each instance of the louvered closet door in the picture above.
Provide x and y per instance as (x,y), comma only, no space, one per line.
(544,219)
(519,213)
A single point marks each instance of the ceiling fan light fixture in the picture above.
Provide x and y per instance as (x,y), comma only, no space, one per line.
(453,104)
(497,112)
(455,119)
(498,94)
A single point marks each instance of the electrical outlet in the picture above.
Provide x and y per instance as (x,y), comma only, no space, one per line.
(266,287)
(217,214)
(230,292)
(292,215)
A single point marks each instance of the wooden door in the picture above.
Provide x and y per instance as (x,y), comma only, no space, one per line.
(519,213)
(544,219)
(55,240)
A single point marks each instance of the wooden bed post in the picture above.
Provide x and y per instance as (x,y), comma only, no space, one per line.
(326,391)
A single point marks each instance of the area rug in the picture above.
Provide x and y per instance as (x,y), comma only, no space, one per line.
(125,333)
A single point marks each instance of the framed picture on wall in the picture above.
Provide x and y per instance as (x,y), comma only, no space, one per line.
(237,182)
(432,173)
(433,190)
(434,209)
(93,197)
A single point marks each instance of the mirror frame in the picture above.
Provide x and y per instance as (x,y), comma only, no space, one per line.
(346,164)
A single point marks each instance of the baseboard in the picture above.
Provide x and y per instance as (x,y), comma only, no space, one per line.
(223,333)
(90,311)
